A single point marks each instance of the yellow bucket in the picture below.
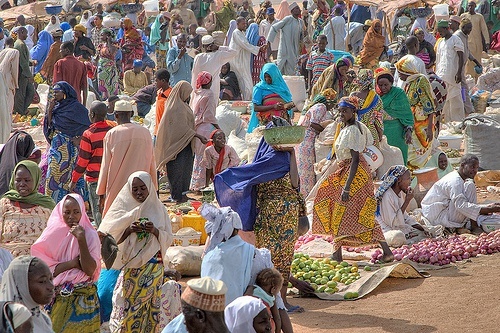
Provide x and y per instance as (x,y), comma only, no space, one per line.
(195,221)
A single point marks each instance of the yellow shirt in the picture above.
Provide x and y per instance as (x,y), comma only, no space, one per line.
(133,82)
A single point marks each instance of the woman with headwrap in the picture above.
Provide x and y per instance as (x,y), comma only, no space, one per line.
(229,86)
(131,45)
(139,223)
(9,73)
(335,77)
(271,97)
(316,113)
(398,124)
(426,50)
(86,20)
(345,205)
(71,248)
(419,92)
(224,16)
(16,287)
(107,73)
(64,124)
(247,314)
(256,61)
(371,112)
(40,51)
(229,33)
(203,105)
(283,10)
(47,70)
(373,46)
(160,38)
(23,211)
(265,194)
(174,140)
(53,25)
(18,148)
(391,207)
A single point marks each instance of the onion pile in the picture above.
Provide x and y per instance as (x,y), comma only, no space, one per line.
(443,251)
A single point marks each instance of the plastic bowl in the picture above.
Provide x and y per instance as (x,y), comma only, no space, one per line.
(53,10)
(284,136)
(489,227)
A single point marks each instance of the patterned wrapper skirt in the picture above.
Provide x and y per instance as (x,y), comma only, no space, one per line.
(351,223)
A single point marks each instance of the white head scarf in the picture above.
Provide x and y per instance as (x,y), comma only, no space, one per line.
(220,224)
(239,314)
(15,288)
(124,211)
(53,27)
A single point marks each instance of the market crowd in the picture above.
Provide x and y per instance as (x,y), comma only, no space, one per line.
(84,232)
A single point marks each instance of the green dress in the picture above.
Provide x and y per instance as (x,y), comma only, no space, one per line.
(400,116)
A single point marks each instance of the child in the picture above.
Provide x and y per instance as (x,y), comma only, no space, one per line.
(194,39)
(267,287)
(318,61)
(90,155)
(110,115)
(218,156)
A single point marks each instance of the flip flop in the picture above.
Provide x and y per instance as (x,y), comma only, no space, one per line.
(295,309)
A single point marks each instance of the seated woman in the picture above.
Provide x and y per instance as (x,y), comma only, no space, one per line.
(218,156)
(247,314)
(391,207)
(139,222)
(440,161)
(271,97)
(23,211)
(229,86)
(335,77)
(63,126)
(426,50)
(28,280)
(19,147)
(71,247)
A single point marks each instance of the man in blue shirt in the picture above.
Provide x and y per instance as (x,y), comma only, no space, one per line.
(179,63)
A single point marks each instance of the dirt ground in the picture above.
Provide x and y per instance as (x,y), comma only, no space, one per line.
(464,298)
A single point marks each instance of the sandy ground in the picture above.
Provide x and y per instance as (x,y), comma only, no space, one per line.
(464,298)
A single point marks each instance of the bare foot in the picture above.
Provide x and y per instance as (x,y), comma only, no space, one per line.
(387,257)
(461,231)
(336,256)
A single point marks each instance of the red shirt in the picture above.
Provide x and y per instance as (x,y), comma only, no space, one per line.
(73,71)
(90,154)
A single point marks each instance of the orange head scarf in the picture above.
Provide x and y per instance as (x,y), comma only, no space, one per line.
(373,44)
(130,31)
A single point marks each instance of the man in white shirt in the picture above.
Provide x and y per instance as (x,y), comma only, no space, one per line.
(355,36)
(211,60)
(452,201)
(335,31)
(241,63)
(264,28)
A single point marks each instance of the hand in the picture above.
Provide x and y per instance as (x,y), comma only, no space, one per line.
(203,140)
(149,227)
(349,47)
(72,186)
(136,227)
(428,132)
(458,77)
(345,195)
(78,232)
(75,263)
(408,137)
(182,53)
(409,194)
(101,235)
(279,106)
(102,199)
(285,149)
(263,48)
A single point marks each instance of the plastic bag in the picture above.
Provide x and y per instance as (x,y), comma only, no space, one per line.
(185,259)
(392,156)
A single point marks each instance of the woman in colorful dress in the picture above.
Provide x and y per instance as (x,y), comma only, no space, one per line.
(23,211)
(419,92)
(426,50)
(271,97)
(256,61)
(371,112)
(131,45)
(71,248)
(345,205)
(398,124)
(203,105)
(315,114)
(373,46)
(160,37)
(107,72)
(265,193)
(140,224)
(18,148)
(335,77)
(64,124)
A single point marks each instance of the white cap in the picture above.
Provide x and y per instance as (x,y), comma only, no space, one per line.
(123,106)
(207,40)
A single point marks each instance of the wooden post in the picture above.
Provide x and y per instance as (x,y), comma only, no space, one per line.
(348,37)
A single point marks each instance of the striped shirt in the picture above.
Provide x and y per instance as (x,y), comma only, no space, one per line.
(91,150)
(317,63)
